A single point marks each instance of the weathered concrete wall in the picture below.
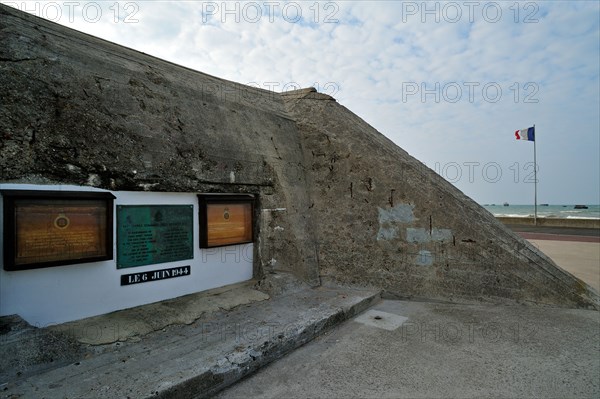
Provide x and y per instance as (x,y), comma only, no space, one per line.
(337,199)
(387,220)
(80,110)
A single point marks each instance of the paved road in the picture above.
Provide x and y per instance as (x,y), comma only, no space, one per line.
(565,231)
(442,351)
(558,237)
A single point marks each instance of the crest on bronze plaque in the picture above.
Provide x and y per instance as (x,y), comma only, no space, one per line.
(62,221)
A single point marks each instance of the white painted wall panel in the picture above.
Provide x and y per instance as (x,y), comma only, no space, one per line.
(64,293)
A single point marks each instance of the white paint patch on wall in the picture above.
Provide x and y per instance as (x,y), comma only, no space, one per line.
(421,235)
(390,218)
(441,235)
(401,213)
(387,233)
(58,294)
(424,258)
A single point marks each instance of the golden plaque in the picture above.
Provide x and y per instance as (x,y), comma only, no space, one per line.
(51,231)
(225,220)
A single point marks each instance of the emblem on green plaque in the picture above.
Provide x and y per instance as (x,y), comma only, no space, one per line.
(150,234)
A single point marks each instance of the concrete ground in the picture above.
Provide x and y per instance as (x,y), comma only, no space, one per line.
(401,349)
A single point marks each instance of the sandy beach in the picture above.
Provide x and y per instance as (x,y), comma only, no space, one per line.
(575,250)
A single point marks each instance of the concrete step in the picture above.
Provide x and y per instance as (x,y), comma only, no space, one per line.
(198,360)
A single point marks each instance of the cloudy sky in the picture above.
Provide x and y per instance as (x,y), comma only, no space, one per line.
(449,82)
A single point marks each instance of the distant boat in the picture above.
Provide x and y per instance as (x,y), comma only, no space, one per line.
(580,207)
(505,204)
(544,205)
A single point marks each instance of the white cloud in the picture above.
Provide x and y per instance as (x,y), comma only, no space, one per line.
(377,48)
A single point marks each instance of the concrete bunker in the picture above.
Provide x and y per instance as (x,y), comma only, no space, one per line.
(334,200)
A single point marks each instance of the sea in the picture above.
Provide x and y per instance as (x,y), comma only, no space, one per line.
(545,211)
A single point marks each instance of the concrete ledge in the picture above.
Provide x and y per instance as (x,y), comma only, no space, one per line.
(136,322)
(199,359)
(551,222)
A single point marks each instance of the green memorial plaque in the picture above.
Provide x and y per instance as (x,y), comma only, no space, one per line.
(149,234)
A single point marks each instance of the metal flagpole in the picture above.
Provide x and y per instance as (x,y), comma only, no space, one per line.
(535,179)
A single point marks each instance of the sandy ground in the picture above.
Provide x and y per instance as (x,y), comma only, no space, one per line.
(582,259)
(574,249)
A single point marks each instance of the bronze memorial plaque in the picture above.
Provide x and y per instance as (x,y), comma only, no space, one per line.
(50,229)
(225,220)
(229,224)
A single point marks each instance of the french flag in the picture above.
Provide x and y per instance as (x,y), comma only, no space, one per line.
(526,134)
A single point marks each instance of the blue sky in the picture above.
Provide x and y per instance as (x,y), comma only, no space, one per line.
(449,82)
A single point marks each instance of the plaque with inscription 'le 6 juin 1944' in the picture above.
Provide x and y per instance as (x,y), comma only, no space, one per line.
(55,228)
(149,234)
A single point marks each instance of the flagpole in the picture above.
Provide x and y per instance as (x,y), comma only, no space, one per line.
(534,178)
